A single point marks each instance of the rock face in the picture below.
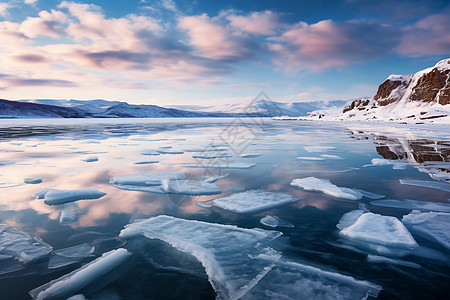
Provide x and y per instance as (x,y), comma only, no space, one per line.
(431,85)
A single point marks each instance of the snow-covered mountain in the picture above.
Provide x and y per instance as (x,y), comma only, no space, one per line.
(269,108)
(49,108)
(422,97)
(98,108)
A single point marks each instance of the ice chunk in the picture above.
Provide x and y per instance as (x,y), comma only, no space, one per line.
(349,218)
(370,195)
(149,152)
(249,155)
(224,165)
(326,187)
(20,245)
(55,197)
(235,259)
(310,158)
(215,178)
(67,256)
(69,284)
(330,156)
(427,184)
(290,280)
(210,156)
(253,201)
(434,226)
(413,204)
(146,162)
(147,179)
(190,187)
(67,216)
(381,259)
(318,148)
(41,193)
(382,234)
(274,221)
(168,151)
(90,159)
(396,165)
(33,180)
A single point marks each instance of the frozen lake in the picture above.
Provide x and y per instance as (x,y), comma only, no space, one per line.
(226,208)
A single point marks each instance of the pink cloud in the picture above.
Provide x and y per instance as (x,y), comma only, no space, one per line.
(330,44)
(47,24)
(430,35)
(214,40)
(256,23)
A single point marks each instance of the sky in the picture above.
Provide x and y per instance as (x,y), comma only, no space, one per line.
(203,52)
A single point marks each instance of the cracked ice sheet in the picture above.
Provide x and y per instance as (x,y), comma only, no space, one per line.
(291,280)
(22,246)
(427,184)
(413,204)
(235,259)
(252,201)
(383,234)
(325,186)
(67,256)
(434,226)
(71,283)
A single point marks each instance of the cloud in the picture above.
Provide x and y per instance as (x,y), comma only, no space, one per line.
(214,40)
(31,2)
(256,23)
(329,44)
(431,35)
(47,24)
(30,58)
(20,81)
(4,9)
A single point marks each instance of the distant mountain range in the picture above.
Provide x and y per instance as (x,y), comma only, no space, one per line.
(50,108)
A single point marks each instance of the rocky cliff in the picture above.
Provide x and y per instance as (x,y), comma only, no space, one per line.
(424,95)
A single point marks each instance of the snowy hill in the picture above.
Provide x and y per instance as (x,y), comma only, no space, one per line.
(49,108)
(422,97)
(269,108)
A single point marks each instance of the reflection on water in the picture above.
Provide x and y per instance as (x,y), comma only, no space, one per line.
(57,153)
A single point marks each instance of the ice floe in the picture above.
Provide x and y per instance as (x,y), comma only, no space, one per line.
(224,165)
(71,283)
(149,152)
(318,148)
(325,186)
(90,159)
(146,162)
(164,183)
(41,193)
(382,234)
(20,245)
(214,178)
(146,179)
(234,258)
(434,226)
(312,158)
(249,155)
(396,165)
(427,184)
(190,187)
(55,197)
(385,260)
(291,280)
(206,155)
(252,201)
(168,151)
(33,180)
(331,156)
(413,204)
(274,221)
(67,256)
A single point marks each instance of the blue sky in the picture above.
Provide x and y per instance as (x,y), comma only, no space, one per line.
(203,52)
